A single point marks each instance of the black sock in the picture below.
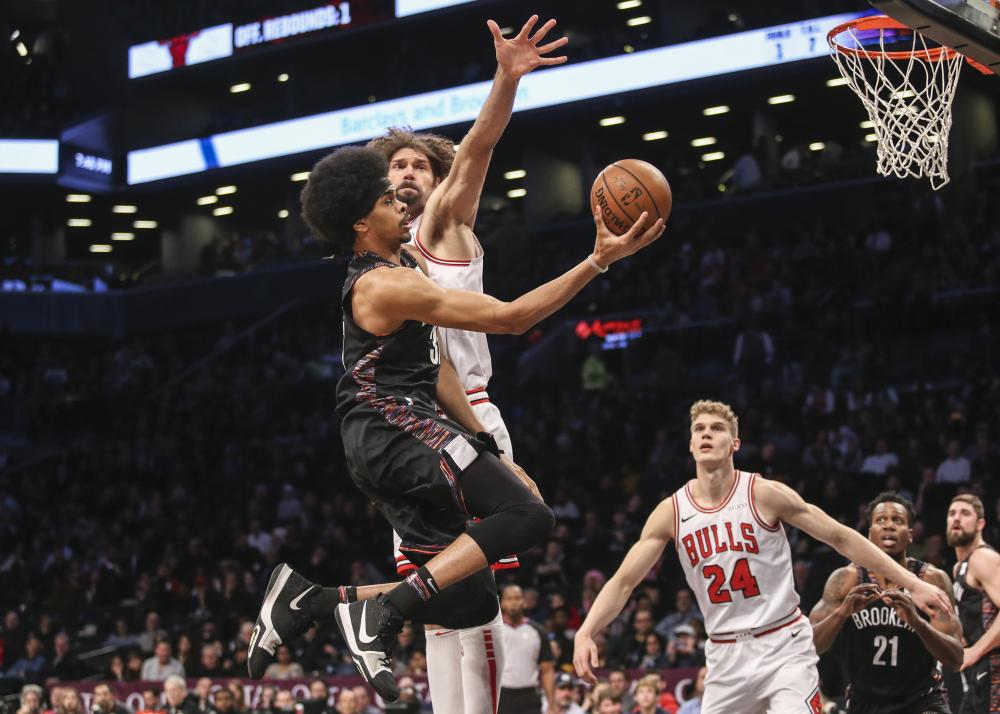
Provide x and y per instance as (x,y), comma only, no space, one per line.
(418,588)
(323,604)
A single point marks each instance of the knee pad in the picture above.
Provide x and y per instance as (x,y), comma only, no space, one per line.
(536,524)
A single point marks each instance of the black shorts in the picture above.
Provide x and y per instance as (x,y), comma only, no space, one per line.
(411,470)
(933,702)
(983,682)
(520,701)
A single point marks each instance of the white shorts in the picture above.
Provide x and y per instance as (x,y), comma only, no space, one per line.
(772,674)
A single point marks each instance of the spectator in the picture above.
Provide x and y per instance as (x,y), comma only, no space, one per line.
(266,702)
(618,685)
(133,667)
(65,665)
(235,688)
(365,705)
(223,702)
(654,657)
(284,667)
(210,664)
(628,649)
(151,634)
(685,611)
(347,701)
(31,699)
(32,666)
(284,701)
(151,702)
(179,700)
(954,469)
(683,650)
(647,693)
(319,698)
(693,704)
(881,461)
(12,638)
(565,700)
(609,703)
(162,665)
(120,638)
(417,666)
(104,701)
(71,703)
(203,695)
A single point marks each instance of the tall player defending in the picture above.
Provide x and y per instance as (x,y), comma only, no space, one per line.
(977,588)
(727,525)
(890,651)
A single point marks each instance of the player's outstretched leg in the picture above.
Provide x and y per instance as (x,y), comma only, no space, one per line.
(284,615)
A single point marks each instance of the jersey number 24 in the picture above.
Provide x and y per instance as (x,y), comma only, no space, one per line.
(742,579)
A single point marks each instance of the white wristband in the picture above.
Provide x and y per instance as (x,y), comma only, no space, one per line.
(595,265)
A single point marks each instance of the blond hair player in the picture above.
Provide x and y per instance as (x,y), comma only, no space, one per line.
(728,527)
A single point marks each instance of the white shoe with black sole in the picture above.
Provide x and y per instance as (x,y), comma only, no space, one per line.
(283,616)
(369,630)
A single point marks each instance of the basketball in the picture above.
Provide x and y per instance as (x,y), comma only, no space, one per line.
(628,187)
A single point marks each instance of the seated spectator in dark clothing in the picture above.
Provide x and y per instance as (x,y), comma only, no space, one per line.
(121,638)
(631,646)
(683,649)
(203,695)
(223,702)
(105,703)
(151,703)
(319,698)
(654,656)
(32,667)
(65,666)
(284,702)
(210,664)
(685,610)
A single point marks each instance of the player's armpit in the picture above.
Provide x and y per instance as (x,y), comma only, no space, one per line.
(840,581)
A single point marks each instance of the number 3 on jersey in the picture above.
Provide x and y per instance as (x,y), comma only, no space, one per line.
(435,354)
(742,580)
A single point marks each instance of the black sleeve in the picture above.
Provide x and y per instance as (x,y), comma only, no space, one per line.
(544,649)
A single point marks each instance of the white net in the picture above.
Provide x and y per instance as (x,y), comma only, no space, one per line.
(908,96)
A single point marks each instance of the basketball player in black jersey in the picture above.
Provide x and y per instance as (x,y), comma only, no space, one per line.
(890,650)
(977,588)
(427,476)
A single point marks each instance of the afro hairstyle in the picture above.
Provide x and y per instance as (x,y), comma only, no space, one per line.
(338,185)
(440,150)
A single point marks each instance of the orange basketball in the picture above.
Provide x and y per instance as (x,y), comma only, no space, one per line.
(628,187)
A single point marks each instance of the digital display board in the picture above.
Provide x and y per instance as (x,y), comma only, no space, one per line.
(29,156)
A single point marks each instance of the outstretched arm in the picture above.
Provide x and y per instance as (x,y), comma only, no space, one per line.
(984,566)
(457,198)
(778,502)
(656,534)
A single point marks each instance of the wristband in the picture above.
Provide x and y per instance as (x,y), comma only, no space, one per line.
(595,265)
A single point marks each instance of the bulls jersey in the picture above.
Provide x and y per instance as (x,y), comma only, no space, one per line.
(886,661)
(738,566)
(468,351)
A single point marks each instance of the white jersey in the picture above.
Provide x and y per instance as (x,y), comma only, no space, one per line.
(738,566)
(468,351)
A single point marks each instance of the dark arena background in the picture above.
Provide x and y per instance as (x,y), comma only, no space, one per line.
(171,339)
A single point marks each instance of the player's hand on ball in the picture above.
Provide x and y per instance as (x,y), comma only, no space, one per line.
(858,598)
(521,54)
(585,658)
(609,248)
(930,598)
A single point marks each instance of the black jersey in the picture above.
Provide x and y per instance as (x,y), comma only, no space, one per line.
(977,613)
(885,659)
(384,369)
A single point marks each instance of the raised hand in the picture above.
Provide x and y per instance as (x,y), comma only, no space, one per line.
(858,598)
(521,54)
(609,248)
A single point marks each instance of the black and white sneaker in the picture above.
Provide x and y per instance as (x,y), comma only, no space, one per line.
(282,617)
(369,629)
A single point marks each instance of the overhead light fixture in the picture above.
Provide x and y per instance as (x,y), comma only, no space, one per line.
(206,200)
(712,111)
(283,77)
(283,213)
(506,30)
(612,121)
(781,99)
(654,136)
(101,248)
(225,190)
(904,94)
(636,21)
(629,49)
(871,137)
(79,223)
(21,49)
(515,174)
(836,82)
(300,176)
(222,211)
(867,124)
(145,224)
(517,193)
(817,146)
(77,198)
(241,87)
(14,35)
(703,141)
(713,156)
(123,236)
(124,209)
(629,4)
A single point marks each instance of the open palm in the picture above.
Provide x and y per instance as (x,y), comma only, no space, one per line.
(521,54)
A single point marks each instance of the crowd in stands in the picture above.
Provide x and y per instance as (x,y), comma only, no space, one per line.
(142,515)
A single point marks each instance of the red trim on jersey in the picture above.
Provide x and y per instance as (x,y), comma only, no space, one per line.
(440,261)
(736,482)
(761,634)
(491,661)
(677,523)
(477,390)
(753,509)
(484,400)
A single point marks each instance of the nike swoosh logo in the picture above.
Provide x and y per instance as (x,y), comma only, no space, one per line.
(981,675)
(796,633)
(684,520)
(295,603)
(363,636)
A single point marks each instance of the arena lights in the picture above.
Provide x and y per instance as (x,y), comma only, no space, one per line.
(904,94)
(713,156)
(283,213)
(867,124)
(629,49)
(145,224)
(515,174)
(21,49)
(578,81)
(629,4)
(123,236)
(405,8)
(239,88)
(225,190)
(14,35)
(612,121)
(836,82)
(29,156)
(654,136)
(207,200)
(283,77)
(124,209)
(77,198)
(222,211)
(100,248)
(713,111)
(781,99)
(300,176)
(703,141)
(871,137)
(79,223)
(517,193)
(637,21)
(817,146)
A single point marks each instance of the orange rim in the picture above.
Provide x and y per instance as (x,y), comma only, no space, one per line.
(884,22)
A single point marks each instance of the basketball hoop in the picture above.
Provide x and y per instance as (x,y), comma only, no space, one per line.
(907,93)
